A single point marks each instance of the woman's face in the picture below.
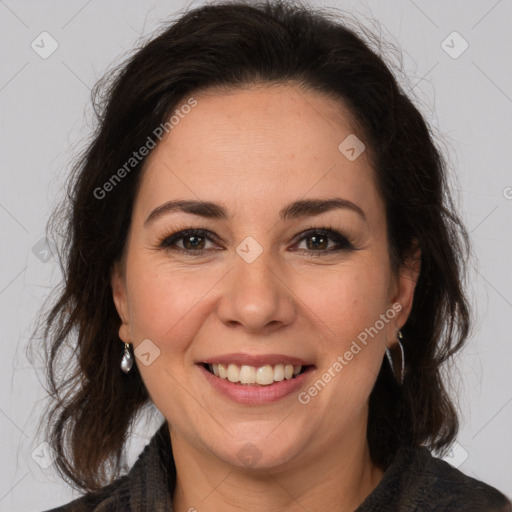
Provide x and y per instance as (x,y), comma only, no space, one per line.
(253,290)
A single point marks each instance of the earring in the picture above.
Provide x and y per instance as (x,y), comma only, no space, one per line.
(127,360)
(396,358)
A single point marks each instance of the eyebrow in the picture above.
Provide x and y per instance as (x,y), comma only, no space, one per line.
(296,210)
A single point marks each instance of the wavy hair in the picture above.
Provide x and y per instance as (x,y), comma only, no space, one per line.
(228,45)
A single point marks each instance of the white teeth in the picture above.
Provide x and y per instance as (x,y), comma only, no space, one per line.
(233,373)
(247,374)
(223,372)
(279,372)
(263,375)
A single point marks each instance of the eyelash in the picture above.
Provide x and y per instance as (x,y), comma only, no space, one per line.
(342,242)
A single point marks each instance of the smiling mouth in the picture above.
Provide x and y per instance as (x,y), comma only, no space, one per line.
(251,375)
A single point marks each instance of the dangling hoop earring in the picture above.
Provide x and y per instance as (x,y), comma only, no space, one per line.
(127,360)
(396,358)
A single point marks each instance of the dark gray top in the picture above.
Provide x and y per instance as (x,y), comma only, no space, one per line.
(414,482)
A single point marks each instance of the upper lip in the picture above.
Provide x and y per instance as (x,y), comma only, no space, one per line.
(255,360)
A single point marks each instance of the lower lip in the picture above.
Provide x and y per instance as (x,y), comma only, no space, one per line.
(256,394)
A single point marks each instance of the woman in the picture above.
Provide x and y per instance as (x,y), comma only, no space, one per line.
(261,243)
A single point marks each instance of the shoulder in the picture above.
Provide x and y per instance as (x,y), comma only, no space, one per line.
(111,498)
(433,484)
(454,490)
(146,486)
(416,480)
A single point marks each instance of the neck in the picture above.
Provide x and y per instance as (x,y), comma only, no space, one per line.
(339,477)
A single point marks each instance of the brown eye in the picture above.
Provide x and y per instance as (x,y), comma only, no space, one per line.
(192,240)
(317,241)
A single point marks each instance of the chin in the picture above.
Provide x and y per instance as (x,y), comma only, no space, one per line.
(257,452)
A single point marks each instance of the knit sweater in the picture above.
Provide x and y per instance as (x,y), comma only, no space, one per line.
(415,481)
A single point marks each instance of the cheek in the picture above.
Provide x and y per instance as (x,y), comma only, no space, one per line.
(347,300)
(349,305)
(165,302)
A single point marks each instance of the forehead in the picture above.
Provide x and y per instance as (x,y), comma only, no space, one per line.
(257,147)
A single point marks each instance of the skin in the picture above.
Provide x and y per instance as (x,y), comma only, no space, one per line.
(255,150)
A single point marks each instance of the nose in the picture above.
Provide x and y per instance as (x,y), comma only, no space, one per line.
(256,296)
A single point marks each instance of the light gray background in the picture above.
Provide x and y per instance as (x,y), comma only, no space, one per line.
(45,111)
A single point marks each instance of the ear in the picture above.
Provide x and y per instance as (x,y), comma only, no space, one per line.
(119,294)
(407,278)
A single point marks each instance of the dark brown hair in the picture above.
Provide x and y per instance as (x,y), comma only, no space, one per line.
(229,45)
